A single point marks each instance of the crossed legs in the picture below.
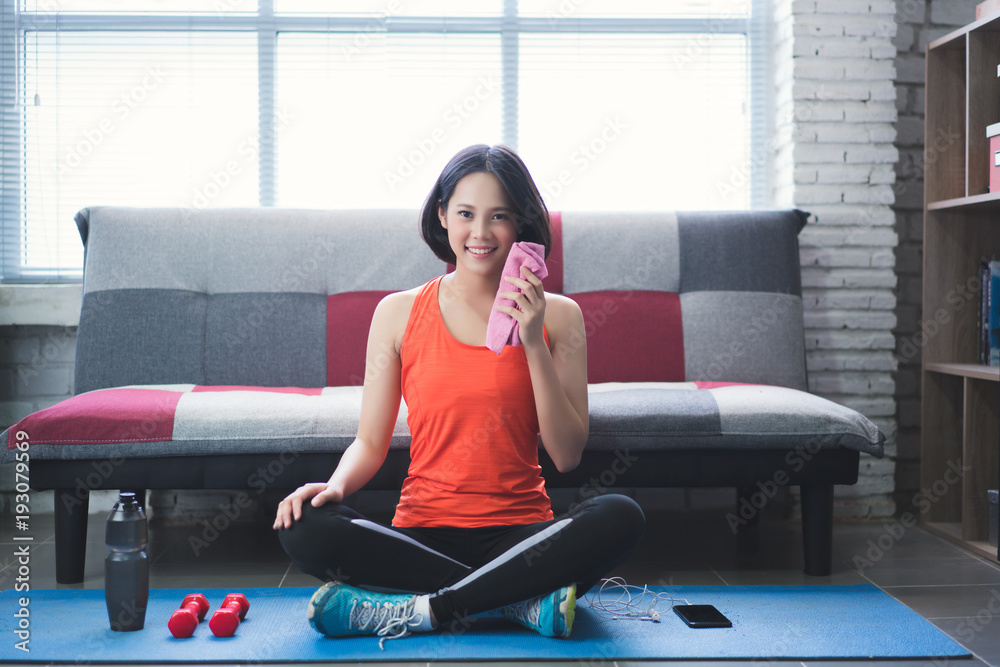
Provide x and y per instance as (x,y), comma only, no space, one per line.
(467,570)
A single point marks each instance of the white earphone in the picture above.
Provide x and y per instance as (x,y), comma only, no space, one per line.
(622,607)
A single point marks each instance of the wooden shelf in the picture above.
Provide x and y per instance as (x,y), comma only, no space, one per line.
(984,202)
(978,371)
(985,24)
(960,400)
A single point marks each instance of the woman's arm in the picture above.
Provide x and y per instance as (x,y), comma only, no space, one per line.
(379,401)
(559,375)
(379,409)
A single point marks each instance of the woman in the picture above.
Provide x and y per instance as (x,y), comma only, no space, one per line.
(474,529)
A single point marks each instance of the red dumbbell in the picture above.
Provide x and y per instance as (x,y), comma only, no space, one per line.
(227,617)
(192,611)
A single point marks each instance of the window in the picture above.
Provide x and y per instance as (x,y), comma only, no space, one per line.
(614,104)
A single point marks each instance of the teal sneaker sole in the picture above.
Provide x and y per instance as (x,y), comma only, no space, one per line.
(314,612)
(567,613)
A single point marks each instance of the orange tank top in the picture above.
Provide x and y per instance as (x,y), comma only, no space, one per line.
(474,428)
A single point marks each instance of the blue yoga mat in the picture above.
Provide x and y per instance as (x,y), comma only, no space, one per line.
(71,625)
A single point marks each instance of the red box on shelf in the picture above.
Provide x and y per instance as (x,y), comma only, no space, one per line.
(993,133)
(987,8)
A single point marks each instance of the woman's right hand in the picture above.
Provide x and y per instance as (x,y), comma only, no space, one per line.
(317,493)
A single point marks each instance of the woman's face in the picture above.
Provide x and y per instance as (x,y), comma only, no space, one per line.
(481,224)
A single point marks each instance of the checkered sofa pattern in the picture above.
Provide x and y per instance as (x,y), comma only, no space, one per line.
(215,344)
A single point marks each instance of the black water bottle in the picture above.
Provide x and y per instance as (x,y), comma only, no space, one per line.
(126,568)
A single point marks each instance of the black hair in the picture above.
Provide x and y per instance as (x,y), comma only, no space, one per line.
(531,218)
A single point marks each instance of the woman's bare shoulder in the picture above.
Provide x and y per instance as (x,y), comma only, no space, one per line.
(403,299)
(393,312)
(562,306)
(561,313)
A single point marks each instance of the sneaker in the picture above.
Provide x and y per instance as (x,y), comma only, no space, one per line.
(551,614)
(339,610)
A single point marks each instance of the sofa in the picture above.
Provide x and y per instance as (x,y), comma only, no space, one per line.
(225,349)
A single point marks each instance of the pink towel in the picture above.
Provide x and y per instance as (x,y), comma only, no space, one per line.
(502,328)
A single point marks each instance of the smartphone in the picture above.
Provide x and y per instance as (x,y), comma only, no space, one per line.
(702,616)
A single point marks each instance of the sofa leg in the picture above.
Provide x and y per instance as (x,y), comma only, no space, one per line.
(71,534)
(744,498)
(817,528)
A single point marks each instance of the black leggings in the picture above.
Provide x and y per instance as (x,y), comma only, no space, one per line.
(467,570)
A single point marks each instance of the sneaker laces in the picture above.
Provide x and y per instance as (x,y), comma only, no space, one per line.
(528,612)
(388,620)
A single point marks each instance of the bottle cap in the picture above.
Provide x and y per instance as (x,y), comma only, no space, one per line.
(128,500)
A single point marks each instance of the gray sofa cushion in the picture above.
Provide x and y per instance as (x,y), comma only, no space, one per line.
(189,420)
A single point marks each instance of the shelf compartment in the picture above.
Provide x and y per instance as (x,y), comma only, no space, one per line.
(981,455)
(983,103)
(961,452)
(941,444)
(945,122)
(955,242)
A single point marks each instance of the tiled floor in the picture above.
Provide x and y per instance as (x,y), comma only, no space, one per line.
(947,585)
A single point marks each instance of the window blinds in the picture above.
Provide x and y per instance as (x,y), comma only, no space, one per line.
(625,105)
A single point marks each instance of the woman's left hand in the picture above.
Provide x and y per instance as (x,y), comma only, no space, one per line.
(530,311)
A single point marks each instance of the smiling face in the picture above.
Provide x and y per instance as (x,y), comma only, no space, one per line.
(480,222)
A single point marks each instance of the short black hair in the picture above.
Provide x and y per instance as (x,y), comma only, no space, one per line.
(531,218)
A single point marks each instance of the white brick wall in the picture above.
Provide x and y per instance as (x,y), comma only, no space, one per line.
(837,105)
